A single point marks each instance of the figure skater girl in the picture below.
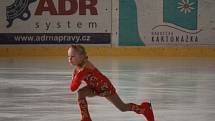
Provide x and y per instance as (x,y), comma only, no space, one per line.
(98,84)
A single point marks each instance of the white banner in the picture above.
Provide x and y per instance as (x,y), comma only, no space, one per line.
(37,21)
(167,23)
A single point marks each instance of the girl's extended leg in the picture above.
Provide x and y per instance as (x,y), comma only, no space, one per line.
(144,108)
(116,100)
(82,94)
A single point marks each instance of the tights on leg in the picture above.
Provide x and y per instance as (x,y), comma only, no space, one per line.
(84,108)
(116,100)
(136,108)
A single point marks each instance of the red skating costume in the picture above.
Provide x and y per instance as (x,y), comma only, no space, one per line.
(102,86)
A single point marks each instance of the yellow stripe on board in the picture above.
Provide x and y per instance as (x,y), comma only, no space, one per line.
(110,51)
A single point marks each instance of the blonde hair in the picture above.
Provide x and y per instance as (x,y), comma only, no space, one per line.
(80,49)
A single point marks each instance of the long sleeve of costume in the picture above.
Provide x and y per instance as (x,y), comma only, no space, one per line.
(76,81)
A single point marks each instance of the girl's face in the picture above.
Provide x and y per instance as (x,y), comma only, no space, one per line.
(74,57)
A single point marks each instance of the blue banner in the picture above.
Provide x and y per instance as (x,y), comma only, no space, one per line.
(55,38)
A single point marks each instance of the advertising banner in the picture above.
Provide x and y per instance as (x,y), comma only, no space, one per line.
(186,23)
(55,21)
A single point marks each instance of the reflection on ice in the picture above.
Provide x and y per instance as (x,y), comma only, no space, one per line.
(36,89)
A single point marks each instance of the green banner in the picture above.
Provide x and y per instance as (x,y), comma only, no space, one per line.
(182,13)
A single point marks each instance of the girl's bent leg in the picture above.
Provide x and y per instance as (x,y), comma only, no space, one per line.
(82,94)
(84,109)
